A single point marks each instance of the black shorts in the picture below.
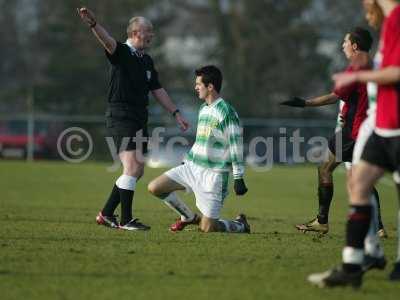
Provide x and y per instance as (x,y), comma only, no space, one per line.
(383,152)
(343,152)
(127,135)
(128,143)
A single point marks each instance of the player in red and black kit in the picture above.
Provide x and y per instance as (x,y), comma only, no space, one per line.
(356,46)
(382,151)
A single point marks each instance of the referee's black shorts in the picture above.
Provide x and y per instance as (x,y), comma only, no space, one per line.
(383,152)
(127,134)
(342,145)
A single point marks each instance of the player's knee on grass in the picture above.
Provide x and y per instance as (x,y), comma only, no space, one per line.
(208,225)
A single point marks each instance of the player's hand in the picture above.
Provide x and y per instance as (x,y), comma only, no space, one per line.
(182,123)
(87,16)
(344,79)
(294,102)
(240,187)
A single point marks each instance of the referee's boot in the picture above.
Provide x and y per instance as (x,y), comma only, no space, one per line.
(108,221)
(134,225)
(313,225)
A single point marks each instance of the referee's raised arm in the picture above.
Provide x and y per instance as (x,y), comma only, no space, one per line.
(101,34)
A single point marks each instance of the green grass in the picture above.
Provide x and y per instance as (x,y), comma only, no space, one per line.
(51,248)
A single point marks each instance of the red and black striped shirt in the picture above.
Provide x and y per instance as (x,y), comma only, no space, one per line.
(355,106)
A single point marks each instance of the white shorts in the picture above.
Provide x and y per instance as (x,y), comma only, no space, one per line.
(366,129)
(209,187)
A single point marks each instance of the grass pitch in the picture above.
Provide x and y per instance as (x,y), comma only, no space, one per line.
(51,248)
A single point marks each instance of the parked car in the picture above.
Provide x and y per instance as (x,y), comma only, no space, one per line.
(14,140)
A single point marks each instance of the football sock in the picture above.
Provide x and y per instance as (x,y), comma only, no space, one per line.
(126,185)
(231,226)
(356,231)
(325,194)
(177,205)
(372,243)
(112,202)
(378,205)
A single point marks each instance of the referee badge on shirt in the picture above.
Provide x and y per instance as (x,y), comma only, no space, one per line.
(148,73)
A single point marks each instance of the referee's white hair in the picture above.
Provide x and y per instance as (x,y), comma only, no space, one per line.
(136,22)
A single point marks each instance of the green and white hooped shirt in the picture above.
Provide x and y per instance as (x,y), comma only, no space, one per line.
(219,139)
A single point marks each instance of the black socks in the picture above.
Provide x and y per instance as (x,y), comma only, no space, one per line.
(126,197)
(112,202)
(325,194)
(358,225)
(356,230)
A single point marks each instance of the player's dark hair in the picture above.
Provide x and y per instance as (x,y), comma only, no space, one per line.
(362,37)
(210,74)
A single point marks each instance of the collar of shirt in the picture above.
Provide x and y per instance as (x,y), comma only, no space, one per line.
(215,102)
(134,51)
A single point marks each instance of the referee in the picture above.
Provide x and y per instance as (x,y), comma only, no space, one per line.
(133,76)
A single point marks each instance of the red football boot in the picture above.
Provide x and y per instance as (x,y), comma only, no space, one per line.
(179,225)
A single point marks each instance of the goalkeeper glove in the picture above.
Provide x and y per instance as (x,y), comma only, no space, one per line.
(295,102)
(240,187)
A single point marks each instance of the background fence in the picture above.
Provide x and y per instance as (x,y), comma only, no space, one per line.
(35,137)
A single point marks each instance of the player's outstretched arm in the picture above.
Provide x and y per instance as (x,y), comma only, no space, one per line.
(322,100)
(107,41)
(318,101)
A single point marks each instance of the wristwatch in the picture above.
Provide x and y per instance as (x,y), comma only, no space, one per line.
(175,112)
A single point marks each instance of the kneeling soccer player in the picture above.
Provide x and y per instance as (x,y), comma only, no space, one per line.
(217,149)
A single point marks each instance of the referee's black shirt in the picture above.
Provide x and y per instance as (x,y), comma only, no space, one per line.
(133,76)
